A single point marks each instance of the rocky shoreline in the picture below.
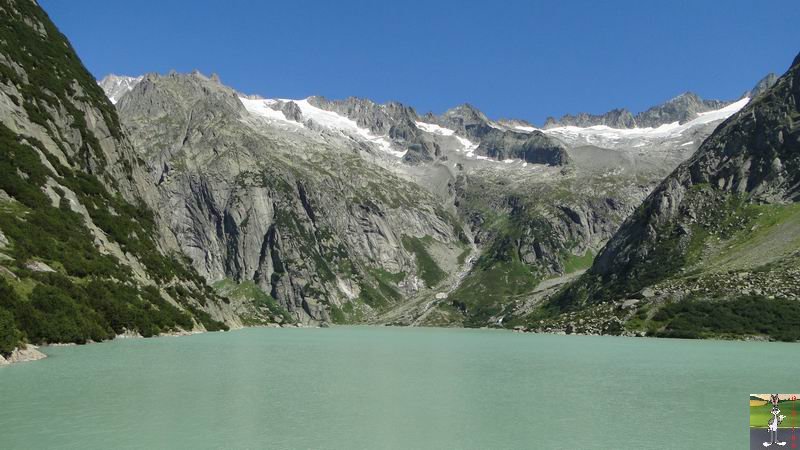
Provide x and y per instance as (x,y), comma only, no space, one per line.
(32,353)
(29,353)
(569,331)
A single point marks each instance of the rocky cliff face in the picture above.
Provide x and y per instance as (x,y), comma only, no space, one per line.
(79,258)
(726,212)
(294,207)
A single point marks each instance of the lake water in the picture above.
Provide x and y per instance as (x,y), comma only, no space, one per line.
(374,387)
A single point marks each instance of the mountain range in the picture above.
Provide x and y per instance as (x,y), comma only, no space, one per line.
(173,203)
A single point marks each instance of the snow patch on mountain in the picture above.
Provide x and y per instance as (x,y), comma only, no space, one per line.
(262,108)
(605,136)
(433,128)
(268,109)
(467,147)
(115,86)
(332,120)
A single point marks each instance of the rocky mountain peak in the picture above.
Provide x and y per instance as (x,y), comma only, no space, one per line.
(464,115)
(681,109)
(378,118)
(195,91)
(616,118)
(763,84)
(115,86)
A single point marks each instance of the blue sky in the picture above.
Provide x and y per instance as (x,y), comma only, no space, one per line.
(520,59)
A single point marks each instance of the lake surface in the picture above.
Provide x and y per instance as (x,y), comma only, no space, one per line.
(374,387)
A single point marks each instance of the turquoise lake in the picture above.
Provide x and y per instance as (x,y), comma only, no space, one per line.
(383,387)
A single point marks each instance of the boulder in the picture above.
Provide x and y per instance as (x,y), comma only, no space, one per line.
(38,266)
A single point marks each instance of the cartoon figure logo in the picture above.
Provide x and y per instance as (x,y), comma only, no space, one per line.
(772,425)
(774,417)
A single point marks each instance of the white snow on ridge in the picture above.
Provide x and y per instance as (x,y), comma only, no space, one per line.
(326,119)
(723,113)
(261,107)
(116,86)
(433,128)
(603,135)
(330,119)
(468,147)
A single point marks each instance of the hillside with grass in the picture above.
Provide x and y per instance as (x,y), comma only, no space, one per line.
(80,258)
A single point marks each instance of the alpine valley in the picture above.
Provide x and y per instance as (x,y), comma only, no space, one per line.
(171,203)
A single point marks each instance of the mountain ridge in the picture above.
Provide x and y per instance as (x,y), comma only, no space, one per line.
(447,155)
(719,232)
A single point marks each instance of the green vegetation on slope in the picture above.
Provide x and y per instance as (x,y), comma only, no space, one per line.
(53,74)
(349,313)
(498,277)
(9,334)
(91,295)
(677,246)
(248,291)
(778,319)
(490,288)
(60,309)
(427,269)
(574,263)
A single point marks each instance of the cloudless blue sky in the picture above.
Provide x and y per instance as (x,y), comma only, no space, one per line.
(520,59)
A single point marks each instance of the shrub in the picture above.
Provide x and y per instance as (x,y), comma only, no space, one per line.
(10,337)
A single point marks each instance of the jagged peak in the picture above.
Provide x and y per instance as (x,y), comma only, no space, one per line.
(465,109)
(688,95)
(761,86)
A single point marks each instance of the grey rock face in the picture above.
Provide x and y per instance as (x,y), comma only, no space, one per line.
(679,109)
(616,118)
(536,147)
(292,111)
(296,211)
(375,117)
(394,120)
(499,143)
(762,86)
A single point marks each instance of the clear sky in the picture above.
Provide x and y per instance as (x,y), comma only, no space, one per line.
(520,59)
